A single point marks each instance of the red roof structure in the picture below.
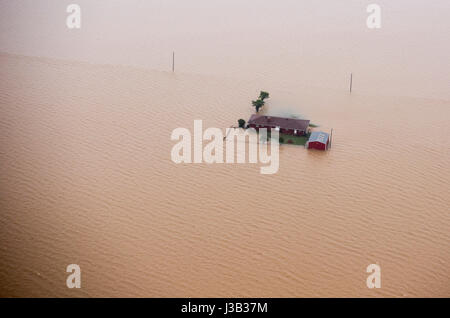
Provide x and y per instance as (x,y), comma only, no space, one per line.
(318,140)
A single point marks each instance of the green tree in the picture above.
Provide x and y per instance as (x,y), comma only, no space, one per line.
(258,104)
(241,123)
(263,95)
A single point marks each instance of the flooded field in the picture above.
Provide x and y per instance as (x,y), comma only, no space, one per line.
(87,178)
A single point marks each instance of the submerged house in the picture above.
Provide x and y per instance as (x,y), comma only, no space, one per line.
(289,126)
(318,140)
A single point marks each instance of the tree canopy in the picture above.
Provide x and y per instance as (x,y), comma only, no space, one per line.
(263,95)
(258,104)
(260,101)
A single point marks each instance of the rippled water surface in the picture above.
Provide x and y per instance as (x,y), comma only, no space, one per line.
(86,175)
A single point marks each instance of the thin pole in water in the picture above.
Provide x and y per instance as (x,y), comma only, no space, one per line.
(351,81)
(331,138)
(173,61)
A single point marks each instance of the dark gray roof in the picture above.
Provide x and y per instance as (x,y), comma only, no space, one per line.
(286,123)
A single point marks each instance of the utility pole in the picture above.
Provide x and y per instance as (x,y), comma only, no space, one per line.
(351,81)
(173,61)
(331,137)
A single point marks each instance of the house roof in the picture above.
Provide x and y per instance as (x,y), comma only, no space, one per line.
(285,123)
(318,136)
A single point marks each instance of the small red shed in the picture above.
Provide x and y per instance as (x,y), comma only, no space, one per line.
(318,140)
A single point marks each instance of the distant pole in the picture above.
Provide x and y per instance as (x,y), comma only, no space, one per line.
(331,137)
(173,61)
(351,81)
